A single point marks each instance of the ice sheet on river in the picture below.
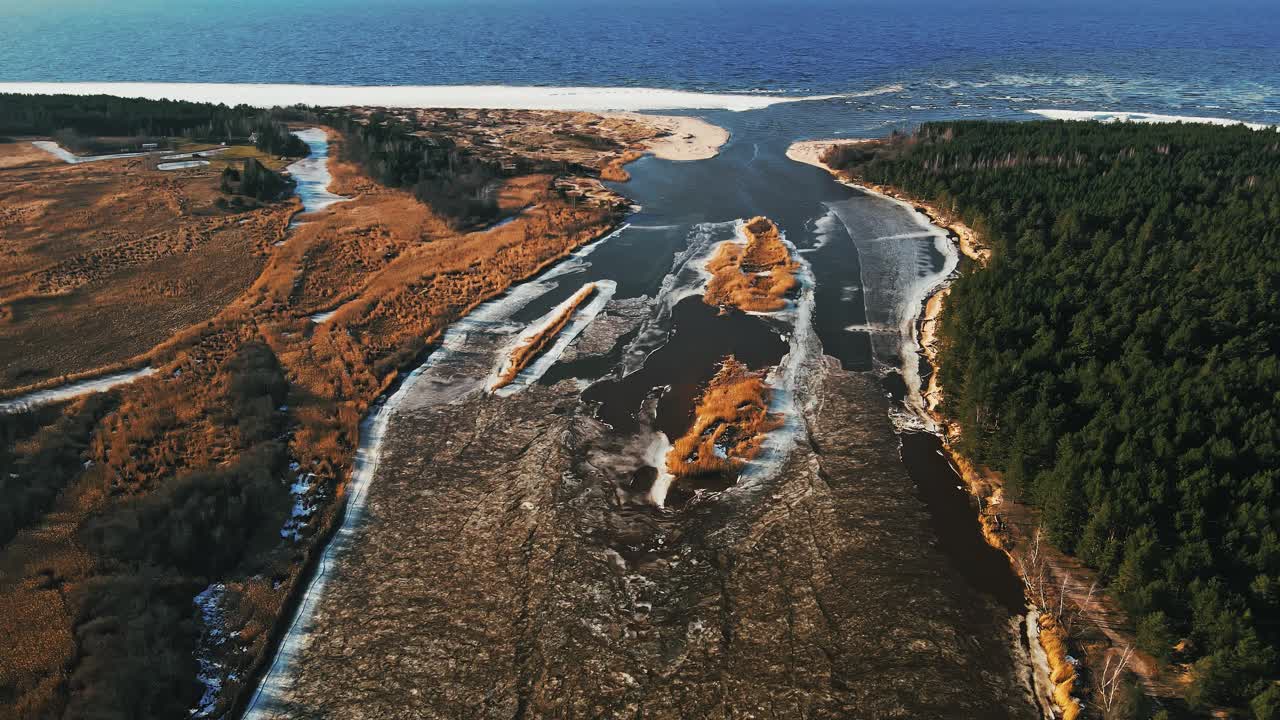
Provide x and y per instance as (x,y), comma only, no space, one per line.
(903,259)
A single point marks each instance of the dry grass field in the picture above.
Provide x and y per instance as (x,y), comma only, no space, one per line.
(180,483)
(104,260)
(526,352)
(754,277)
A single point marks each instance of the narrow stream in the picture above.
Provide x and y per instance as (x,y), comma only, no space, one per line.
(70,390)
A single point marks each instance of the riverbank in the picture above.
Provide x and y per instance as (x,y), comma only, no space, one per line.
(1054,671)
(971,246)
(1052,577)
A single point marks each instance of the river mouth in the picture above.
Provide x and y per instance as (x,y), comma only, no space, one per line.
(543,517)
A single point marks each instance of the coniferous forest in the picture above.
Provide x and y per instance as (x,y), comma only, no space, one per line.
(90,116)
(1119,360)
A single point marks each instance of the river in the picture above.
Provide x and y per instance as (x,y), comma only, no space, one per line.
(524,554)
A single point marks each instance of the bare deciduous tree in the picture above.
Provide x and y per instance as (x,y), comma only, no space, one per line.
(1112,674)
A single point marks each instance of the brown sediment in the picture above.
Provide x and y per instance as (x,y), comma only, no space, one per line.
(730,422)
(754,277)
(536,345)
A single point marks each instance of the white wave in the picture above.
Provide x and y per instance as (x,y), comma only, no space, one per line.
(420,96)
(882,90)
(1139,117)
(71,390)
(582,317)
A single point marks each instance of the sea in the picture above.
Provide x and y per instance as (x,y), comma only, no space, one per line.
(898,62)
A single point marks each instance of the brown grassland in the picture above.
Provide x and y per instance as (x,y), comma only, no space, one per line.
(730,421)
(104,260)
(396,272)
(527,351)
(754,277)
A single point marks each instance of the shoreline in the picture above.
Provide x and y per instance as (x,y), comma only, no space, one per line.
(476,97)
(983,486)
(1013,527)
(682,139)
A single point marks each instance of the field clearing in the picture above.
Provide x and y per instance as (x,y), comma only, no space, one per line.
(398,274)
(103,261)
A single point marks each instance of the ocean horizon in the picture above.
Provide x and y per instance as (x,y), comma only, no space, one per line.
(990,59)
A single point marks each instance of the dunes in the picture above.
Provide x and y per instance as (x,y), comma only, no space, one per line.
(754,277)
(729,424)
(543,338)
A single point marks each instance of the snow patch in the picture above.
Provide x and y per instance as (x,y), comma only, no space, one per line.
(71,390)
(1140,117)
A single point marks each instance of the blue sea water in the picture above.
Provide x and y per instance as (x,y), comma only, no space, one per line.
(982,58)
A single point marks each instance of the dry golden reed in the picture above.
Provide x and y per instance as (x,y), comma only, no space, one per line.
(755,277)
(527,351)
(730,421)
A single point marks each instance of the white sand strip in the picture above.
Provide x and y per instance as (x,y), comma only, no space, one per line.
(1138,117)
(419,96)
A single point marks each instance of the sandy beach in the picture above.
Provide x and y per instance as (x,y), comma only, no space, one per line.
(684,138)
(497,97)
(810,152)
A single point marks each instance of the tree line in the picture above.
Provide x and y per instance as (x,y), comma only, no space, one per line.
(1119,361)
(452,181)
(72,117)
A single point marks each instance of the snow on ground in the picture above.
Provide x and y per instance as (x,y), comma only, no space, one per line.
(1139,117)
(65,155)
(212,620)
(70,390)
